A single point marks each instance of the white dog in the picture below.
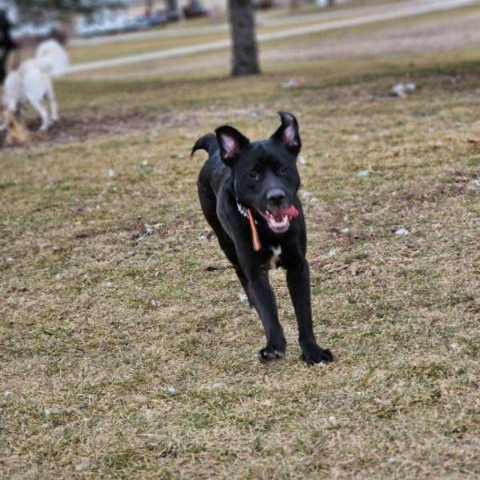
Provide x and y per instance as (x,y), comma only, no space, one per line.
(32,83)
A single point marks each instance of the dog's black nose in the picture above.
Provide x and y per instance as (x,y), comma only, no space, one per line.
(276,197)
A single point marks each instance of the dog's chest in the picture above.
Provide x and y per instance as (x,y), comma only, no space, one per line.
(275,260)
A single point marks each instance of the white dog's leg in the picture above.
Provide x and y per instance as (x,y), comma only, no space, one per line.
(40,108)
(53,103)
(21,112)
(54,110)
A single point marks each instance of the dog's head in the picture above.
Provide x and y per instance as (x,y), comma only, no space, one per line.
(265,174)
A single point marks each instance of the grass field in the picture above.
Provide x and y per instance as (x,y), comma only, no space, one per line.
(124,354)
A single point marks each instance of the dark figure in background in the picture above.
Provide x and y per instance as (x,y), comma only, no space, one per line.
(6,44)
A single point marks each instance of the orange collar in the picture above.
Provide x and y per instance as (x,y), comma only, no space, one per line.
(253,228)
(247,213)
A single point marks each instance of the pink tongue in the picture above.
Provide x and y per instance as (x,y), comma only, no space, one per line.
(291,212)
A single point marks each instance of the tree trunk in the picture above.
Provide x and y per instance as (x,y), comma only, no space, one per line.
(244,43)
(148,7)
(294,5)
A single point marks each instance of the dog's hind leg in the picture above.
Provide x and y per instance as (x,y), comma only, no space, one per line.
(208,203)
(40,108)
(53,103)
(228,247)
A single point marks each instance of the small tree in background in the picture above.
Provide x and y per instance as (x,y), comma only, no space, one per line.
(244,43)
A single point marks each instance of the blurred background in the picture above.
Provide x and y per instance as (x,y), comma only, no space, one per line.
(292,31)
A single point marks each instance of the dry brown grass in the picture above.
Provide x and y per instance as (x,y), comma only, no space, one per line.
(123,356)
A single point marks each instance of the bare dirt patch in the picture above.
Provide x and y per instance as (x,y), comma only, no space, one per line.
(77,126)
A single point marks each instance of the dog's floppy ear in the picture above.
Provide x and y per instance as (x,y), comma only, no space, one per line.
(231,143)
(287,133)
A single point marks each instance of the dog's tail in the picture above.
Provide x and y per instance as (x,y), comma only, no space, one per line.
(208,143)
(52,58)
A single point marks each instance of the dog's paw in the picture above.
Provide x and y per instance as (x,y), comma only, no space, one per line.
(268,355)
(314,354)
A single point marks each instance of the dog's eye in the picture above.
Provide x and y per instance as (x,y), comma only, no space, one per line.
(254,174)
(283,169)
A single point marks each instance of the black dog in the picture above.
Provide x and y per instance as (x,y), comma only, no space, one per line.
(248,193)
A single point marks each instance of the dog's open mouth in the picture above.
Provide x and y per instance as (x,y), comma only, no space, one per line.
(279,221)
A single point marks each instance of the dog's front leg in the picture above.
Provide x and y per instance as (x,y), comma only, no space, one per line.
(298,280)
(261,295)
